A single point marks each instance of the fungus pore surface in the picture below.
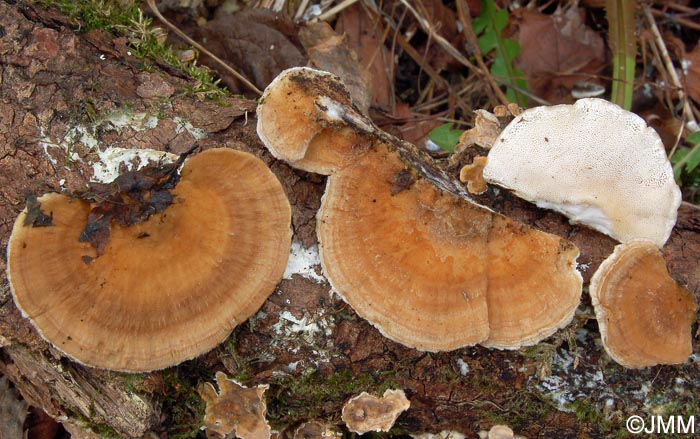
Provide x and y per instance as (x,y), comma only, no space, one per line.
(592,161)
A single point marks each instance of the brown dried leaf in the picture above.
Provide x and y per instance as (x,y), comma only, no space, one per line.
(130,199)
(363,35)
(691,74)
(557,51)
(258,43)
(330,52)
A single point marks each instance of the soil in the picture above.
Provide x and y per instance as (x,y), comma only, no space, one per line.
(69,99)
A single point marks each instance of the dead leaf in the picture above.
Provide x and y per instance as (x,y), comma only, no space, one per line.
(258,43)
(330,52)
(691,73)
(363,34)
(407,125)
(557,51)
(444,21)
(130,199)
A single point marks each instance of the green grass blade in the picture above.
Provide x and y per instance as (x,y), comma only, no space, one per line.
(623,45)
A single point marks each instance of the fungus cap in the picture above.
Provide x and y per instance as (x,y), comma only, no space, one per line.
(435,272)
(235,409)
(298,123)
(364,412)
(644,316)
(592,161)
(167,289)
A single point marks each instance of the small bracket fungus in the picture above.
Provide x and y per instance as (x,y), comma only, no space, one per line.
(316,430)
(163,290)
(473,175)
(499,432)
(364,412)
(235,409)
(592,161)
(293,128)
(644,317)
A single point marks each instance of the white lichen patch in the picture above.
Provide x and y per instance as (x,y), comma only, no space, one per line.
(310,332)
(113,160)
(445,434)
(183,125)
(305,262)
(133,121)
(463,367)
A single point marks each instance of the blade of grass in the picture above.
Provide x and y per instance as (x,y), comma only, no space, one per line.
(621,26)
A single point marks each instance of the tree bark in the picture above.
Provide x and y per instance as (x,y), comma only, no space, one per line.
(66,99)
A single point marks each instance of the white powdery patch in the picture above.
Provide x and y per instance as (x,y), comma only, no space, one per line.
(566,385)
(288,325)
(111,160)
(311,330)
(134,121)
(302,261)
(183,125)
(445,434)
(463,367)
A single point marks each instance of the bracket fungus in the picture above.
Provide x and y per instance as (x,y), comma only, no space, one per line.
(645,317)
(364,412)
(428,268)
(235,409)
(595,163)
(295,132)
(166,289)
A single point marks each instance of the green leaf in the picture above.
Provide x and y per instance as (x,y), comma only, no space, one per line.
(445,136)
(479,24)
(694,138)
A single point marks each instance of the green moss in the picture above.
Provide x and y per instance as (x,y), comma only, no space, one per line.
(182,403)
(588,412)
(312,395)
(102,430)
(142,37)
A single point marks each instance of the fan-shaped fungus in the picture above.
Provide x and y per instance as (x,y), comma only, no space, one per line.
(164,290)
(644,317)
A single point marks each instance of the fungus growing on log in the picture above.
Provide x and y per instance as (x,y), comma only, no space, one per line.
(645,317)
(429,269)
(166,289)
(364,412)
(595,163)
(235,409)
(294,131)
(316,430)
(473,175)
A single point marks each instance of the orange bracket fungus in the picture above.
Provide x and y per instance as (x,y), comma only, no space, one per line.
(364,412)
(164,289)
(403,245)
(644,317)
(235,409)
(473,175)
(595,163)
